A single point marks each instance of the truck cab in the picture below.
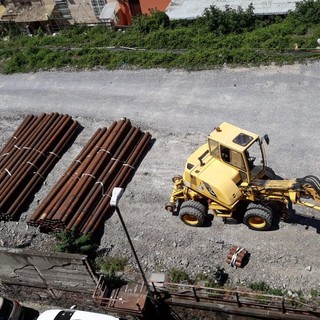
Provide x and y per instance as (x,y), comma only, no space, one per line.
(232,158)
(239,149)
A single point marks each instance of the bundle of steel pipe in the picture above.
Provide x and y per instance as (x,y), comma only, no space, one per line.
(237,257)
(28,157)
(80,199)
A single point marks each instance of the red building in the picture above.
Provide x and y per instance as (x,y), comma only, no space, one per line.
(122,11)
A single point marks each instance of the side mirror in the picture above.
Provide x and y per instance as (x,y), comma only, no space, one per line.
(266,139)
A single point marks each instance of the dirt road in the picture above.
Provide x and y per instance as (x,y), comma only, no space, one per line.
(179,109)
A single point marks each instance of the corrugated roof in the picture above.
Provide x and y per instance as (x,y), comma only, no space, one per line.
(190,9)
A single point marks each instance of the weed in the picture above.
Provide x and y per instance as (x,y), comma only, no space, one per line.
(111,265)
(265,288)
(69,241)
(314,293)
(178,276)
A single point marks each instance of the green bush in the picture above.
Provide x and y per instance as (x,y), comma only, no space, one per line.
(70,242)
(265,288)
(148,23)
(307,12)
(110,265)
(229,20)
(178,276)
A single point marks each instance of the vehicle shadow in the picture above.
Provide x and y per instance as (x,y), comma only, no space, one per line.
(306,221)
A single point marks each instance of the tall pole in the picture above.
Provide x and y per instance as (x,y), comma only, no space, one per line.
(116,195)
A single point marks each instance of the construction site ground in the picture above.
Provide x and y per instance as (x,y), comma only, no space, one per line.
(180,109)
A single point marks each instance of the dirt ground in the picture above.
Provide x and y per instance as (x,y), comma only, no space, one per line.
(285,257)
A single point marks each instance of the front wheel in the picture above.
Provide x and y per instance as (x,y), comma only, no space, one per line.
(193,213)
(258,217)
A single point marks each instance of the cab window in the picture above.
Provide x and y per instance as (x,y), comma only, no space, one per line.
(232,157)
(214,148)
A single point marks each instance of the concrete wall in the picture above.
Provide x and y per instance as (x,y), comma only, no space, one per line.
(60,271)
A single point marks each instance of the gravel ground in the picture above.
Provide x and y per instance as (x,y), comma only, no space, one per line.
(179,109)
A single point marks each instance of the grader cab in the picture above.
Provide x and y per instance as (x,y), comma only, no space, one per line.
(229,176)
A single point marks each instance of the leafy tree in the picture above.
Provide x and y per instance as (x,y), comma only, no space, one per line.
(307,11)
(230,20)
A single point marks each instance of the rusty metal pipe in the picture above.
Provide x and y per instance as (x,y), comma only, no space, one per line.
(63,193)
(60,207)
(90,176)
(95,192)
(132,165)
(23,154)
(19,134)
(26,168)
(49,211)
(70,171)
(100,212)
(43,171)
(16,156)
(56,128)
(29,119)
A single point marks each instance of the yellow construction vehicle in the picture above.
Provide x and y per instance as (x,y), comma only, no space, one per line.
(229,176)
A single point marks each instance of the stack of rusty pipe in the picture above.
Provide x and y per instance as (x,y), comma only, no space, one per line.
(80,199)
(237,257)
(28,157)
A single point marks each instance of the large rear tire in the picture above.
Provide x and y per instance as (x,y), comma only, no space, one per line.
(193,213)
(258,217)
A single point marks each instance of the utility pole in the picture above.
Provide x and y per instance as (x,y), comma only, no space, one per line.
(116,196)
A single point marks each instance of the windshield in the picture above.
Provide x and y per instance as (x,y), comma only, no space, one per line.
(6,309)
(255,159)
(213,147)
(64,315)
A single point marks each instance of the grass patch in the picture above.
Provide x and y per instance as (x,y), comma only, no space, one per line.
(263,287)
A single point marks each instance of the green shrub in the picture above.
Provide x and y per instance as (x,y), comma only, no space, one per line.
(265,288)
(178,276)
(307,12)
(314,293)
(148,23)
(229,20)
(110,265)
(70,242)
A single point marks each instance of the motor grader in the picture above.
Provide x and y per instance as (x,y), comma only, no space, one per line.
(229,176)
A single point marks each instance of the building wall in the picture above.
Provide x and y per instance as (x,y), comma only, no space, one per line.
(124,14)
(127,6)
(147,5)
